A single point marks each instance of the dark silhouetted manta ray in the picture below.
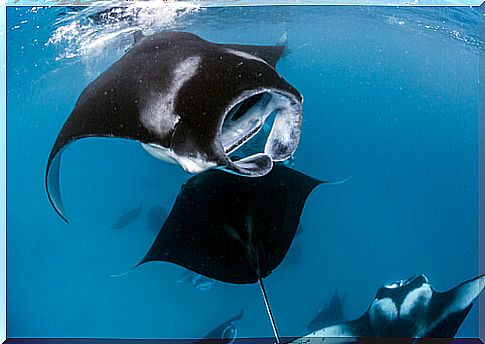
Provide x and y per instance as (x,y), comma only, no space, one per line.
(331,314)
(232,228)
(188,101)
(127,217)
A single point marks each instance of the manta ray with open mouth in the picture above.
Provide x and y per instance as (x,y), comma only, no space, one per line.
(188,101)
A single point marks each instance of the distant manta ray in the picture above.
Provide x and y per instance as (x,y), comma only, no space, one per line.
(127,217)
(225,333)
(410,309)
(190,102)
(331,314)
(198,281)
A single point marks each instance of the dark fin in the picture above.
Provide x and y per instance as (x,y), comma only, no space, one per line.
(270,313)
(127,217)
(337,307)
(449,326)
(459,297)
(454,304)
(331,314)
(271,54)
(209,221)
(52,185)
(94,115)
(138,36)
(239,316)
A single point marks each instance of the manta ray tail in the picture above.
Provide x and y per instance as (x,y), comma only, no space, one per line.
(270,313)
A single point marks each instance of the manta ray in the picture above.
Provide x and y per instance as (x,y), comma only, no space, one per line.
(187,101)
(225,333)
(409,308)
(232,228)
(331,314)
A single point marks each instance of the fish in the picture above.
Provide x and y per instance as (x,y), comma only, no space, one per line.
(331,314)
(127,218)
(198,281)
(225,333)
(190,102)
(231,228)
(409,308)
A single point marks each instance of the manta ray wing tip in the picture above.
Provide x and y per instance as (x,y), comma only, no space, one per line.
(121,274)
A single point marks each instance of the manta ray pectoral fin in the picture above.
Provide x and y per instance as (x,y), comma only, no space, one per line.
(464,294)
(451,307)
(239,316)
(256,165)
(283,39)
(52,185)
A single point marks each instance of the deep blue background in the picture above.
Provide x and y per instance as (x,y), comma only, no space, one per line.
(391,99)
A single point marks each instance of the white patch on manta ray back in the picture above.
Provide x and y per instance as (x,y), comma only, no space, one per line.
(419,297)
(383,309)
(158,115)
(245,55)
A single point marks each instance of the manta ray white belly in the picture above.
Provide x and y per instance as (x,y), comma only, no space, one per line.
(190,164)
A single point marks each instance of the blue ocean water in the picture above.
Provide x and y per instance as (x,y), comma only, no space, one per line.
(391,101)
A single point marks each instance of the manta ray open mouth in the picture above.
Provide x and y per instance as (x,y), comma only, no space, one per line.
(244,120)
(187,107)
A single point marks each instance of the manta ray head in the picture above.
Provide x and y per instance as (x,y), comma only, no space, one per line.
(402,307)
(409,309)
(412,308)
(277,111)
(245,118)
(188,101)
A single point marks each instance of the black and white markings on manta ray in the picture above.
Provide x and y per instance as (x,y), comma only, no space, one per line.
(187,101)
(409,308)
